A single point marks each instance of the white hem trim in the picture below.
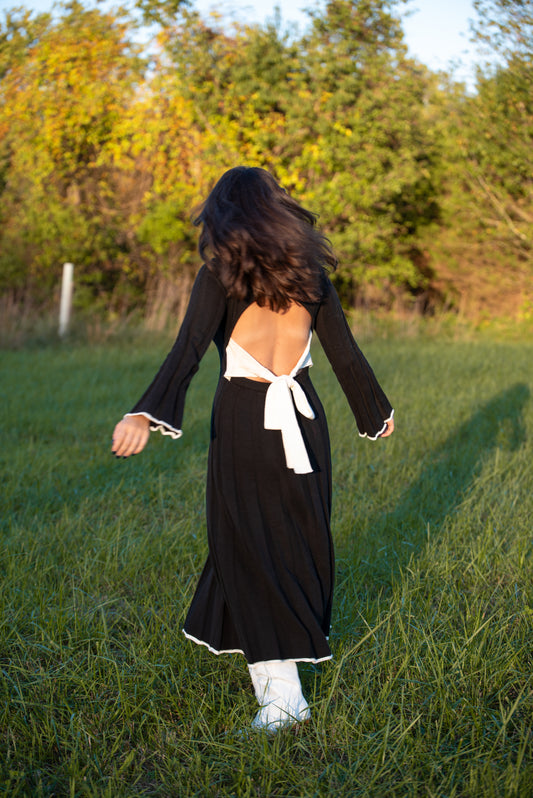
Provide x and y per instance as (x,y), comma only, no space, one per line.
(382,430)
(159,426)
(239,651)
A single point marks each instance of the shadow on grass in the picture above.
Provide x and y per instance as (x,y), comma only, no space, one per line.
(447,474)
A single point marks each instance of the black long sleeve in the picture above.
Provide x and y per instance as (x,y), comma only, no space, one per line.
(164,400)
(368,402)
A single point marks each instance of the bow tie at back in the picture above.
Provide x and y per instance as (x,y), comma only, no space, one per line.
(283,393)
(280,414)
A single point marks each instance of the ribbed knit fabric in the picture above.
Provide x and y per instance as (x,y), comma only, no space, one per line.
(267,586)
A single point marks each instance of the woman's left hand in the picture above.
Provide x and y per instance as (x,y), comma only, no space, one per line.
(389,430)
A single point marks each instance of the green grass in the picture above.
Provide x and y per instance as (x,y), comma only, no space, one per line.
(430,692)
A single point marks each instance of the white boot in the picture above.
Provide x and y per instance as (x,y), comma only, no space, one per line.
(279,692)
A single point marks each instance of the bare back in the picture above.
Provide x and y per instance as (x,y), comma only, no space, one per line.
(275,339)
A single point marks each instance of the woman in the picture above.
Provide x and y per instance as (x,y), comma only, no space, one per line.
(266,589)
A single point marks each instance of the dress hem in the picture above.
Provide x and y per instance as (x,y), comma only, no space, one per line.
(314,660)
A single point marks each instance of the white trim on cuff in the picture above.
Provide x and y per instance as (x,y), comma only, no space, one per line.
(382,430)
(159,426)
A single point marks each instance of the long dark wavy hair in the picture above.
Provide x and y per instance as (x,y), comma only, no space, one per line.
(261,243)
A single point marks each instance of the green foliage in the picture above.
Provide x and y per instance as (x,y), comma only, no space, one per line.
(504,109)
(366,161)
(505,26)
(503,106)
(106,151)
(482,247)
(20,31)
(162,227)
(61,104)
(162,12)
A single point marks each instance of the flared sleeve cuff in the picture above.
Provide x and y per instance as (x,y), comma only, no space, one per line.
(370,407)
(156,425)
(163,402)
(382,430)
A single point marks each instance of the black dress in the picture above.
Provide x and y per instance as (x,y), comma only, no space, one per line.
(266,589)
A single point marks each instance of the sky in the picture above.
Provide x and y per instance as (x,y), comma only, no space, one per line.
(436,31)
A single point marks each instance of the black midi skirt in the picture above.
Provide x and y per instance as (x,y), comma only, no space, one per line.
(266,589)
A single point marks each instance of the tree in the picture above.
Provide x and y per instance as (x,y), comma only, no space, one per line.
(505,27)
(481,248)
(500,149)
(365,158)
(161,12)
(104,153)
(21,29)
(62,96)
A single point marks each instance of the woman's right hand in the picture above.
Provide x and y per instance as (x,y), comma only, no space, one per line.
(130,436)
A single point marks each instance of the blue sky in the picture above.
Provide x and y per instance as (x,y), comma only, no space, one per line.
(437,31)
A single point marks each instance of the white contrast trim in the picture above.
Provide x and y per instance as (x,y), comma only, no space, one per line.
(159,426)
(239,651)
(382,430)
(211,649)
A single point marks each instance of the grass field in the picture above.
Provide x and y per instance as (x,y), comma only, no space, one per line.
(430,692)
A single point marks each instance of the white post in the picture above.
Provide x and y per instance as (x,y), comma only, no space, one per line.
(66,298)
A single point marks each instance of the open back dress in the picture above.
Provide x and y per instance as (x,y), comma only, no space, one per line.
(267,586)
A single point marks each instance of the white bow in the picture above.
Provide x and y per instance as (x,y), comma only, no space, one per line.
(280,414)
(279,406)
